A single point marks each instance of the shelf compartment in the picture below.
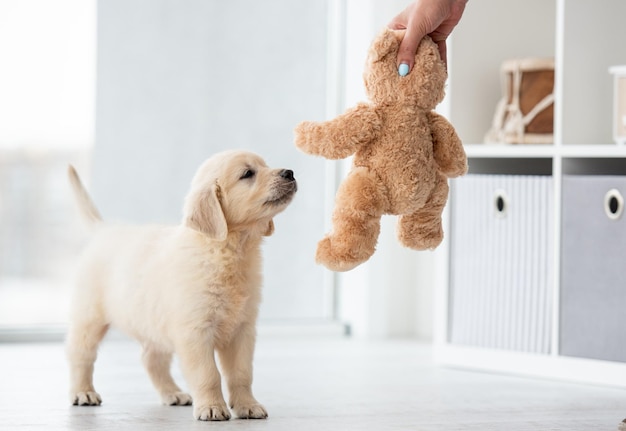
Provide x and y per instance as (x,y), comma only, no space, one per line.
(501,271)
(593,297)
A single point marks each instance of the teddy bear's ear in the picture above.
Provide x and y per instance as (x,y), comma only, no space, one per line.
(428,59)
(428,47)
(387,41)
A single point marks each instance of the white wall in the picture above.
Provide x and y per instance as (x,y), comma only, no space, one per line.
(179,80)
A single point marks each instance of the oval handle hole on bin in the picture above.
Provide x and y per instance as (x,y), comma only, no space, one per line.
(613,204)
(501,203)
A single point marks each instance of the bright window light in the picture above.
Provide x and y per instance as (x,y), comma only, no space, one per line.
(47,104)
(47,73)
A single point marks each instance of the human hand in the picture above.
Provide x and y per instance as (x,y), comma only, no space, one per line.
(435,18)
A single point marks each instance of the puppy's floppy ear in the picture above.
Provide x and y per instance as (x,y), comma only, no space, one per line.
(203,212)
(270,228)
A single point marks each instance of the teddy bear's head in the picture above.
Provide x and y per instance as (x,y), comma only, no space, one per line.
(422,87)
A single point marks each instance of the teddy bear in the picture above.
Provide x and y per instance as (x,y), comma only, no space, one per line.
(404,153)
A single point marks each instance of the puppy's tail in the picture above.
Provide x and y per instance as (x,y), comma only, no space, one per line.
(87,208)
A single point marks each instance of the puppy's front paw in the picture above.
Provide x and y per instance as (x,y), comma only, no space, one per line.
(252,411)
(176,399)
(211,413)
(87,398)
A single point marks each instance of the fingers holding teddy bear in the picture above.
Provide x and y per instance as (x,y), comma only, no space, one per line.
(436,18)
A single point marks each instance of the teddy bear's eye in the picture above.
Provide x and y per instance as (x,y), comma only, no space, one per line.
(248,173)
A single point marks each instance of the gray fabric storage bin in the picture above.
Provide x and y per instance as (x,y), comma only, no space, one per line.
(593,268)
(501,262)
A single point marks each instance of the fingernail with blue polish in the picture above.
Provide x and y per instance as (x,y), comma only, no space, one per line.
(403,69)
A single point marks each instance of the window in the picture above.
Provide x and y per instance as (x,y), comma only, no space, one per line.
(47,86)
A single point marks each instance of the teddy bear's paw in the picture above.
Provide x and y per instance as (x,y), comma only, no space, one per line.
(422,243)
(302,136)
(336,259)
(457,169)
(420,238)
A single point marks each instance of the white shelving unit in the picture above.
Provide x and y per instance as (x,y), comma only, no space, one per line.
(585,37)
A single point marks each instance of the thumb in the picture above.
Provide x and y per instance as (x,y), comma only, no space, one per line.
(407,50)
(443,51)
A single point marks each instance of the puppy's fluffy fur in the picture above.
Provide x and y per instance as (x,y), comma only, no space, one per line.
(191,289)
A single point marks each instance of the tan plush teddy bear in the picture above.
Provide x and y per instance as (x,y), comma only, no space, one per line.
(404,153)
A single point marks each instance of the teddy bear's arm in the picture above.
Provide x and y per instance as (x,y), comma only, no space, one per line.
(338,138)
(448,149)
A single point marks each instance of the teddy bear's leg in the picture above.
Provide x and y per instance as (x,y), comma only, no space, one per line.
(422,229)
(359,204)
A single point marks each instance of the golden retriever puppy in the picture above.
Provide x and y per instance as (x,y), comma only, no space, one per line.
(191,289)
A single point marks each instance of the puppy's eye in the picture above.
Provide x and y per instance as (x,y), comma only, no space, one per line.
(248,173)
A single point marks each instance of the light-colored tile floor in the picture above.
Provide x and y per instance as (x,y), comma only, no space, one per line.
(312,384)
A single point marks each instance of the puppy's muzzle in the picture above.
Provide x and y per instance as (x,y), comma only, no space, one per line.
(284,188)
(287,174)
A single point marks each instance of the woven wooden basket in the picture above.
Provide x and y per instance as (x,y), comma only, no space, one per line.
(525,114)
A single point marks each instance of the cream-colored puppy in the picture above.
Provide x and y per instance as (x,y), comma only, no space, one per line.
(191,289)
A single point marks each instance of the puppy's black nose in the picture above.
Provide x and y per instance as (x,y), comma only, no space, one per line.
(287,174)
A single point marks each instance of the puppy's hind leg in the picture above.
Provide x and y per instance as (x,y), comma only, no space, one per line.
(82,349)
(158,364)
(236,362)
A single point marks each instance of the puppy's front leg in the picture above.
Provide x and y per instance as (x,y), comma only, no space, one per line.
(197,359)
(236,362)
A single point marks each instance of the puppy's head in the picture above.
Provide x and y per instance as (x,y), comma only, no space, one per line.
(237,191)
